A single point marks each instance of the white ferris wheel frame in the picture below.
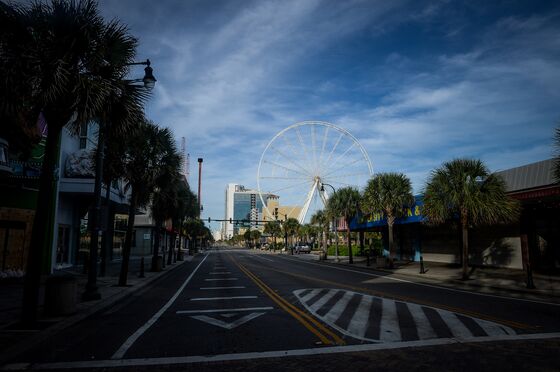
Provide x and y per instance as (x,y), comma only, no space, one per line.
(317,181)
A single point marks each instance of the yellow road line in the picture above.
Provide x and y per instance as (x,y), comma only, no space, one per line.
(413,300)
(306,320)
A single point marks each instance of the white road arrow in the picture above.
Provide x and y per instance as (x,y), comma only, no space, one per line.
(224,324)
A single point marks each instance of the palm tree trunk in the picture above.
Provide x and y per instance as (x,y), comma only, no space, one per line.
(39,242)
(349,242)
(465,255)
(105,234)
(390,225)
(171,249)
(155,254)
(128,240)
(325,248)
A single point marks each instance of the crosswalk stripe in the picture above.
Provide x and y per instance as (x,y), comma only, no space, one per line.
(390,330)
(423,325)
(493,329)
(359,322)
(310,295)
(323,300)
(338,308)
(455,324)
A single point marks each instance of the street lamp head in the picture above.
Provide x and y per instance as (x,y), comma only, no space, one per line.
(149,79)
(200,160)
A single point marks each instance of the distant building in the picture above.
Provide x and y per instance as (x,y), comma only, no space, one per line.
(244,206)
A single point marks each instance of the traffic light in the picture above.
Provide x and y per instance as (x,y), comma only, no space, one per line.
(209,219)
(230,220)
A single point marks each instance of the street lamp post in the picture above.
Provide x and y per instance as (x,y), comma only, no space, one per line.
(199,183)
(335,222)
(91,292)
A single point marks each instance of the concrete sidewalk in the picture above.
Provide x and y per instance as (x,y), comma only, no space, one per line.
(492,280)
(14,341)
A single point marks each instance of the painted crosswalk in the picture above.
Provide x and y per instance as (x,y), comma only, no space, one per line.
(378,319)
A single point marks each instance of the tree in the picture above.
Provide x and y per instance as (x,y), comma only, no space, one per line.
(165,201)
(255,237)
(63,61)
(247,237)
(291,227)
(345,203)
(274,229)
(388,193)
(466,189)
(194,228)
(150,160)
(187,206)
(321,220)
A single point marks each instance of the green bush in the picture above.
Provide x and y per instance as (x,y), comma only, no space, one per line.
(343,250)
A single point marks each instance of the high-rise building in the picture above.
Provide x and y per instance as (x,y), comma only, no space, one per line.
(242,204)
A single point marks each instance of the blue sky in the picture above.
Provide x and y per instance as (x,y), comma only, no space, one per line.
(418,83)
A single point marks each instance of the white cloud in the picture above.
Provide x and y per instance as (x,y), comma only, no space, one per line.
(229,81)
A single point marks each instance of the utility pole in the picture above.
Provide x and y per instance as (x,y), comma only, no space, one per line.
(199,183)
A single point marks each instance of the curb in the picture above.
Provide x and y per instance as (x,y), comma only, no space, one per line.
(32,341)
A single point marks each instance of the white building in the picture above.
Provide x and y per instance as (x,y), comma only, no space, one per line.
(241,204)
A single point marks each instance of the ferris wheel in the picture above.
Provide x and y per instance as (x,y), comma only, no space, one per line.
(305,163)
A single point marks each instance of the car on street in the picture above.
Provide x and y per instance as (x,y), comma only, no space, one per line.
(302,248)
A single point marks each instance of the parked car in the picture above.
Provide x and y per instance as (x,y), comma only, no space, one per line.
(303,248)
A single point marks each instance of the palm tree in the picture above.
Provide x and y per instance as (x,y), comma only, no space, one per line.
(274,229)
(291,227)
(150,162)
(345,203)
(388,193)
(466,188)
(193,229)
(321,220)
(56,59)
(186,207)
(255,237)
(247,237)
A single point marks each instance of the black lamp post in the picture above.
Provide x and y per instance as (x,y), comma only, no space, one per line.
(335,222)
(94,216)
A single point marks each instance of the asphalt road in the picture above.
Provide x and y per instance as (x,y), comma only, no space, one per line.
(247,310)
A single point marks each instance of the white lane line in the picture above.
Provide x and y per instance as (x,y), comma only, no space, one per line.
(119,354)
(336,311)
(222,298)
(390,330)
(233,287)
(359,322)
(423,325)
(323,300)
(421,284)
(214,280)
(223,310)
(457,328)
(269,354)
(219,273)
